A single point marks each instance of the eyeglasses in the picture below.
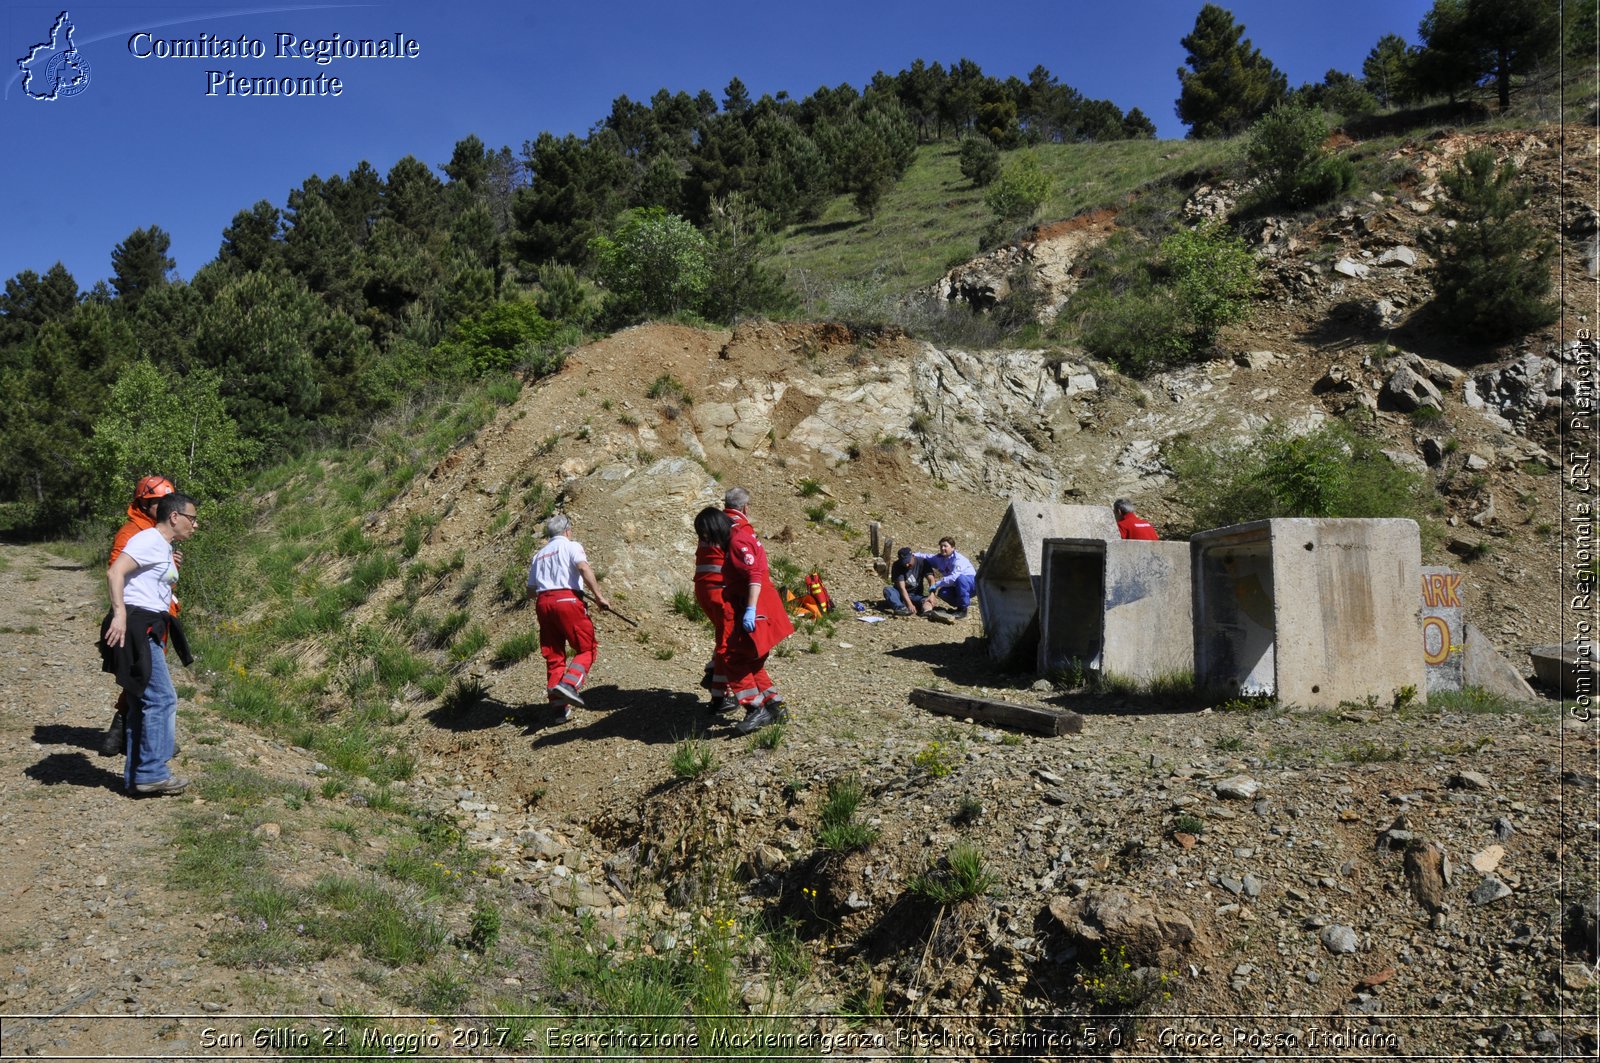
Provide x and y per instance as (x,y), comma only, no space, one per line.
(191,517)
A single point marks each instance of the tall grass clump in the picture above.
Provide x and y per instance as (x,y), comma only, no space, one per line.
(692,758)
(962,876)
(839,828)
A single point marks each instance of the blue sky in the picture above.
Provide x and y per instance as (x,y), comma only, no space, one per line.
(142,144)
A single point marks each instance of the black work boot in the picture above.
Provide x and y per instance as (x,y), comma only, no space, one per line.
(112,743)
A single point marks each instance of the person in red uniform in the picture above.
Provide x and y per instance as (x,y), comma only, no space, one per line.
(556,576)
(141,515)
(763,621)
(1129,524)
(712,527)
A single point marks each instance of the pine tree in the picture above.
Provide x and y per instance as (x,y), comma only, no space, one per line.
(1491,271)
(1229,83)
(140,264)
(1385,70)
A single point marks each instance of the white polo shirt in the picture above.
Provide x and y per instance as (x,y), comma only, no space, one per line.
(555,565)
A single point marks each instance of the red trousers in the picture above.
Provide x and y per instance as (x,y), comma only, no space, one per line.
(748,681)
(717,610)
(563,619)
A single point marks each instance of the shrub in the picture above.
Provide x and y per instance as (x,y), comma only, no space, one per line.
(1143,315)
(937,759)
(1286,153)
(980,160)
(655,263)
(1330,472)
(504,336)
(1213,275)
(1019,190)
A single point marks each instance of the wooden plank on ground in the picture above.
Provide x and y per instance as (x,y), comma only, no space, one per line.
(1003,713)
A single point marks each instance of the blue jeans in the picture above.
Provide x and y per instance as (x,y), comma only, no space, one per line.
(896,601)
(151,725)
(958,592)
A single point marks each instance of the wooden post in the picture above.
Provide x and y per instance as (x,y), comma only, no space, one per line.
(888,549)
(873,528)
(1033,718)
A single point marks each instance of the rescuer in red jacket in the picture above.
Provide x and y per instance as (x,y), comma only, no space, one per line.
(1129,524)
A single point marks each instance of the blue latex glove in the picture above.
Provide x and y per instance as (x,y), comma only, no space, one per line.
(749,621)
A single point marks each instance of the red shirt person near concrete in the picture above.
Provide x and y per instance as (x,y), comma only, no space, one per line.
(1129,524)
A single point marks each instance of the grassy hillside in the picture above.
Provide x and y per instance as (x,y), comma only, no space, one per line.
(933,218)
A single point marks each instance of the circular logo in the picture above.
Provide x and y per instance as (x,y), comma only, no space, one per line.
(67,74)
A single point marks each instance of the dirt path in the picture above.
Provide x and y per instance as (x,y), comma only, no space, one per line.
(94,943)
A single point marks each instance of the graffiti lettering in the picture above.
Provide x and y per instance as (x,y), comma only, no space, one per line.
(1441,590)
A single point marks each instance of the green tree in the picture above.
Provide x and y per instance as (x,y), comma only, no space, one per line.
(1491,41)
(576,186)
(1384,69)
(1136,125)
(140,264)
(254,239)
(561,296)
(258,334)
(155,419)
(1229,83)
(55,383)
(738,282)
(1286,154)
(980,160)
(868,148)
(654,264)
(30,300)
(1491,269)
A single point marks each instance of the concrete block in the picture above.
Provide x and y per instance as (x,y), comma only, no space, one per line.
(1118,607)
(1566,667)
(1487,668)
(1311,611)
(1010,580)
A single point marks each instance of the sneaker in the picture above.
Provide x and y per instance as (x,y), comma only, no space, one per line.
(778,708)
(902,611)
(563,711)
(959,614)
(167,787)
(721,705)
(758,718)
(113,742)
(565,693)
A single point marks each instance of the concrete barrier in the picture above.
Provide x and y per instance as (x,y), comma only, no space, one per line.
(1313,612)
(1010,580)
(1115,607)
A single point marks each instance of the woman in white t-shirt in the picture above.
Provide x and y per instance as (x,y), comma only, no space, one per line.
(141,580)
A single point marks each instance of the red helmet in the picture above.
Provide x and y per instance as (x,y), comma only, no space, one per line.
(151,488)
